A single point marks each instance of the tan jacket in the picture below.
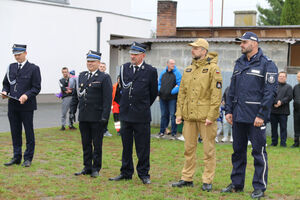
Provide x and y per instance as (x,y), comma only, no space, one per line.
(200,90)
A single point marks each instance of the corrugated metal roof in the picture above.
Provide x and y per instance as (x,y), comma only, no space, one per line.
(240,27)
(125,42)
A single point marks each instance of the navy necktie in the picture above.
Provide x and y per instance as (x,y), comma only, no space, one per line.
(90,75)
(19,67)
(136,68)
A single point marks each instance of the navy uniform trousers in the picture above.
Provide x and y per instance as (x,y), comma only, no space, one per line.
(91,133)
(16,119)
(140,132)
(242,132)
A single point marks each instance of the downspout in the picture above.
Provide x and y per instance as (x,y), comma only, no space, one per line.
(99,20)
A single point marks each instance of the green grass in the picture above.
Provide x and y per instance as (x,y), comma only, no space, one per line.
(58,155)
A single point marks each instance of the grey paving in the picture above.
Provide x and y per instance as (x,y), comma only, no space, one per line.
(47,115)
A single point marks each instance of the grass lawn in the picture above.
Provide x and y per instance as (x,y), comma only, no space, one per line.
(58,155)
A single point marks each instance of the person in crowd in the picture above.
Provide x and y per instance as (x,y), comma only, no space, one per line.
(198,105)
(93,96)
(296,97)
(138,92)
(115,105)
(281,110)
(66,96)
(102,68)
(168,87)
(220,123)
(248,110)
(227,128)
(72,80)
(21,84)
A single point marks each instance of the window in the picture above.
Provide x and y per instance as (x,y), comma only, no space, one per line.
(294,58)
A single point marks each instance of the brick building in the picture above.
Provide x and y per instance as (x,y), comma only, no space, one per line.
(279,43)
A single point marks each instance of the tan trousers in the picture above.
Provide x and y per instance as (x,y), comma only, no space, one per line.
(208,135)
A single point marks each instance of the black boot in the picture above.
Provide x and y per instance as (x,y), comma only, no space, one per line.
(296,142)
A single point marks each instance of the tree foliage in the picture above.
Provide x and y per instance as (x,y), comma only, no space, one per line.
(270,16)
(290,13)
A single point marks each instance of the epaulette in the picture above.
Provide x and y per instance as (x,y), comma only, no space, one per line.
(268,59)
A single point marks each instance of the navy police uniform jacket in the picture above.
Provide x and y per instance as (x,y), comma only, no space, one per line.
(93,97)
(253,88)
(137,98)
(27,81)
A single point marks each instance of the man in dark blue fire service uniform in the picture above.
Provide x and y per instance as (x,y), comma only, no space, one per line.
(22,82)
(138,92)
(94,96)
(248,106)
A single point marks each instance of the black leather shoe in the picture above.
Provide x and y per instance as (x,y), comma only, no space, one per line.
(72,127)
(94,174)
(207,187)
(119,178)
(26,163)
(183,183)
(283,145)
(13,161)
(83,172)
(295,146)
(231,188)
(146,181)
(257,194)
(62,128)
(273,145)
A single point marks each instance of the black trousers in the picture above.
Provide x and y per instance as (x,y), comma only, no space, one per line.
(16,119)
(140,132)
(282,121)
(91,139)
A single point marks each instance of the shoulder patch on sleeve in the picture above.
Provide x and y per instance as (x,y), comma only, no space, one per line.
(268,59)
(219,85)
(271,77)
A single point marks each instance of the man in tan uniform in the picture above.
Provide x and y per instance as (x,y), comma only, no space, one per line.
(198,105)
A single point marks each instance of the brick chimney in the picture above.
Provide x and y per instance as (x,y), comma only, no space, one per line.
(166,18)
(245,18)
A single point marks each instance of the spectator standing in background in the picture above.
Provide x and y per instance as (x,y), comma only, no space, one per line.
(281,110)
(168,87)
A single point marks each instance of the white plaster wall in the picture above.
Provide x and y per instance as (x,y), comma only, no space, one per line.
(59,36)
(116,6)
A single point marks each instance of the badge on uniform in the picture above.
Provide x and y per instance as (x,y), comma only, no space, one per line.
(188,70)
(271,77)
(219,85)
(204,70)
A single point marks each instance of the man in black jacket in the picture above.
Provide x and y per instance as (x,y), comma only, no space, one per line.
(23,83)
(281,110)
(66,91)
(296,97)
(168,88)
(94,96)
(138,92)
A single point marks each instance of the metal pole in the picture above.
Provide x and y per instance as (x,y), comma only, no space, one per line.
(99,20)
(222,13)
(211,13)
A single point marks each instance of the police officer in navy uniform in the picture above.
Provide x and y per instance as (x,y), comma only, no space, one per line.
(248,106)
(138,92)
(22,83)
(94,96)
